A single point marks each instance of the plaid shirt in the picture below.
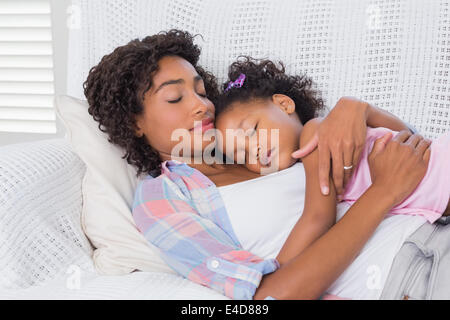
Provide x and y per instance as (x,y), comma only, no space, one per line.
(181,212)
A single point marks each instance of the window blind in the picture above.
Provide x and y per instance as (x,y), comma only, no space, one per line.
(26,67)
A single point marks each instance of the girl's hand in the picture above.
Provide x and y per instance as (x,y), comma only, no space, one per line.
(341,137)
(400,164)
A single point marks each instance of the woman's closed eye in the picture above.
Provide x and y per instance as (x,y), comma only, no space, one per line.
(175,101)
(179,99)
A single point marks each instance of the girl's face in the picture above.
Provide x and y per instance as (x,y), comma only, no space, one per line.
(270,132)
(176,99)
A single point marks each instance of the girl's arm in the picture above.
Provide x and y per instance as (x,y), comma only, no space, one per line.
(377,117)
(319,213)
(341,137)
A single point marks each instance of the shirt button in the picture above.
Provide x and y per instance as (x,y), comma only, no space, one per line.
(215,264)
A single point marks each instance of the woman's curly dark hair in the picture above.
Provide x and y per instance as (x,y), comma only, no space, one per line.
(115,90)
(264,79)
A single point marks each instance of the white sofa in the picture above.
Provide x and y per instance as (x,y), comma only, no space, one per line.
(44,253)
(392,53)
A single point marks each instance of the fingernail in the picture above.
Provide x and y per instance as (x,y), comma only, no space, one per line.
(325,190)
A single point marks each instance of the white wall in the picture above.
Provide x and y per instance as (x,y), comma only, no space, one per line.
(60,41)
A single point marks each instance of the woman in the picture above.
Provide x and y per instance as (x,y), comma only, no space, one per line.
(144,91)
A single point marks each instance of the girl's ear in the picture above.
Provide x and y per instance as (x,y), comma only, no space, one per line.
(284,102)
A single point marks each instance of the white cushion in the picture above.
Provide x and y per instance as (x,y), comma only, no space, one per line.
(40,205)
(107,190)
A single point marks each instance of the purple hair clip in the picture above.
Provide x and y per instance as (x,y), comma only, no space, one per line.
(236,83)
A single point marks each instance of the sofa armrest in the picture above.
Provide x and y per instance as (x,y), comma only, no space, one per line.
(40,207)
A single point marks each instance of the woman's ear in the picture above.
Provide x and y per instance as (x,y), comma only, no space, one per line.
(284,102)
(139,132)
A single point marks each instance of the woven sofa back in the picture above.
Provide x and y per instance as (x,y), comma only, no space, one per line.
(394,54)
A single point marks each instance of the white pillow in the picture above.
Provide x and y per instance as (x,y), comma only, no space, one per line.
(108,192)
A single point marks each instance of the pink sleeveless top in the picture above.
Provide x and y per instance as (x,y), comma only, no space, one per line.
(431,196)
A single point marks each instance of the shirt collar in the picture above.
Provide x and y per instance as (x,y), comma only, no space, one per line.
(171,165)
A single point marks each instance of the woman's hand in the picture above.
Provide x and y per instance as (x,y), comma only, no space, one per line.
(341,137)
(400,164)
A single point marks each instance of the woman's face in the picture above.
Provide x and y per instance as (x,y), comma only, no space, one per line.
(176,99)
(271,131)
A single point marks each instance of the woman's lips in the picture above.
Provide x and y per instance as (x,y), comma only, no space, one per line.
(208,126)
(205,124)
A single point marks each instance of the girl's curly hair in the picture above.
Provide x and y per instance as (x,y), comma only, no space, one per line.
(115,90)
(264,79)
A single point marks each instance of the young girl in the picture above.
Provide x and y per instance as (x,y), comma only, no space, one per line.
(261,98)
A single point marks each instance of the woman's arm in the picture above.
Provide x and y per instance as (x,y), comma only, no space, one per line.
(310,273)
(400,165)
(319,212)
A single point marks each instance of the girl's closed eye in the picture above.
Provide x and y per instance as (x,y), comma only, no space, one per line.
(254,130)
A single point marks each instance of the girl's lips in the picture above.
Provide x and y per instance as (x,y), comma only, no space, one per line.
(267,159)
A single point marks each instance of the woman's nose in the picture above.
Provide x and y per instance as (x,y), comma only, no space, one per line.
(200,107)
